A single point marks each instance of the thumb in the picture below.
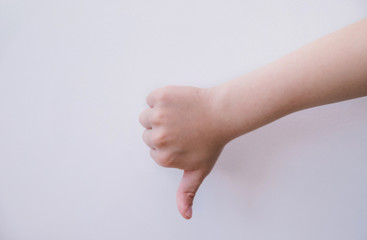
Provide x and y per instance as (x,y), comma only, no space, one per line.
(190,183)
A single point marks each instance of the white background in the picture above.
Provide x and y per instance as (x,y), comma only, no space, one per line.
(73,80)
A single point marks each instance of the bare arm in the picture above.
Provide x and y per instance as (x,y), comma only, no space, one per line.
(331,69)
(188,127)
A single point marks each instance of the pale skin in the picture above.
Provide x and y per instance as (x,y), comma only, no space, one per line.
(187,127)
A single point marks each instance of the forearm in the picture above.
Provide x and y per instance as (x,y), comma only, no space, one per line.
(187,127)
(331,69)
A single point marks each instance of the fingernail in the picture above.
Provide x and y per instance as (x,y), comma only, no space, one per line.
(188,212)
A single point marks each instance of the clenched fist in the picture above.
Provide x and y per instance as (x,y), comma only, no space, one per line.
(184,131)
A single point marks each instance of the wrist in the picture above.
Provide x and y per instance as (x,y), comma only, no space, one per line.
(249,102)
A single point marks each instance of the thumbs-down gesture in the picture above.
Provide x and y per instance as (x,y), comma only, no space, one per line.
(188,127)
(184,131)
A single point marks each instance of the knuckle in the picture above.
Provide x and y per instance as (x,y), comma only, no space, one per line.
(163,94)
(160,95)
(159,139)
(144,136)
(158,117)
(164,160)
(190,195)
(141,118)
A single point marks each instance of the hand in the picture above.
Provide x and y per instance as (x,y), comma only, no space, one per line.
(184,130)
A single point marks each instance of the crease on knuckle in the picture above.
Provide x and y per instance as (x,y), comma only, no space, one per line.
(159,139)
(165,160)
(190,195)
(158,117)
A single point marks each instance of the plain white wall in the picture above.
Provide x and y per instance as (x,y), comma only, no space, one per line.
(73,80)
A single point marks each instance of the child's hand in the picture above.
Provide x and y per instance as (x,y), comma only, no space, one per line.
(184,131)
